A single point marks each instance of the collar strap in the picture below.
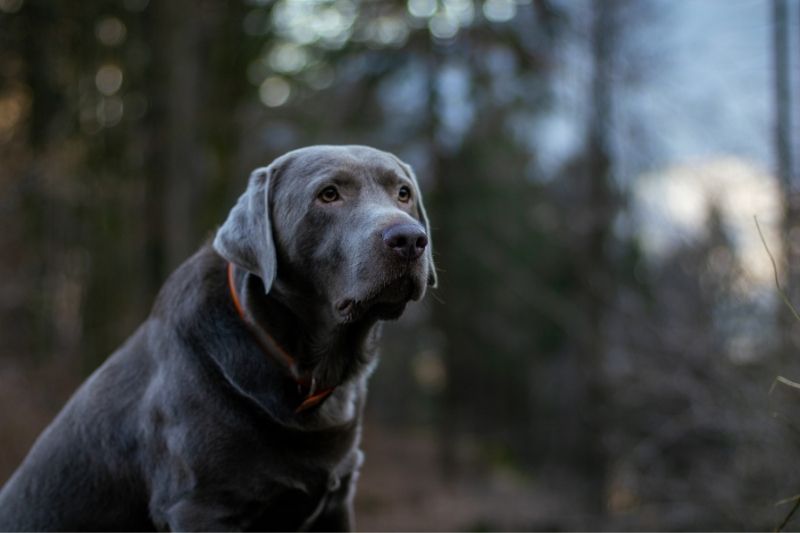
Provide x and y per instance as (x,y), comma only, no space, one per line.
(306,385)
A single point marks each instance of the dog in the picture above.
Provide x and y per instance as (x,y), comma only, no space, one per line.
(237,404)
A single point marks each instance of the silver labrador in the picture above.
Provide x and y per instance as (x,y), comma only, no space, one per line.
(237,405)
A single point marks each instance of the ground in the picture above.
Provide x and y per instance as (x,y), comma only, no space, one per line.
(401,489)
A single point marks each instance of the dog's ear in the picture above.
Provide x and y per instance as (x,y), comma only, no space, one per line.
(433,280)
(245,239)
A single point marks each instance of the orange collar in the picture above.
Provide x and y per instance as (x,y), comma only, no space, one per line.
(305,385)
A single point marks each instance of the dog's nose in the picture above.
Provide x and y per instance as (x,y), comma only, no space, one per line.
(406,240)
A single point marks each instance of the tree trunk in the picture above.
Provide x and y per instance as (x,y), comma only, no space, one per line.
(783,159)
(184,176)
(598,276)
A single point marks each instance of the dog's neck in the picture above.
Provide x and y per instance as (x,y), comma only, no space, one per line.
(329,352)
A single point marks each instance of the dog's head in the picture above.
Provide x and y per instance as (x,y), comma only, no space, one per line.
(344,225)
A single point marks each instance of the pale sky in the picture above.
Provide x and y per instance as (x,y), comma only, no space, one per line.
(711,113)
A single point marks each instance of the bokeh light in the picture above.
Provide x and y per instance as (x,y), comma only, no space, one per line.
(274,91)
(108,79)
(110,31)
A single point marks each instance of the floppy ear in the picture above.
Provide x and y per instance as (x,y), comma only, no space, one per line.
(245,239)
(423,217)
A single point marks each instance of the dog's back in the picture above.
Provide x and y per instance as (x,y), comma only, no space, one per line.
(81,473)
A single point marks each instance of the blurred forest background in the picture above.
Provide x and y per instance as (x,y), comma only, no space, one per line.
(603,349)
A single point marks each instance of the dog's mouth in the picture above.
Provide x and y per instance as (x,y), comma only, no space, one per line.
(386,303)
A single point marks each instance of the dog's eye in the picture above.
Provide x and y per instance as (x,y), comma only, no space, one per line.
(329,194)
(404,194)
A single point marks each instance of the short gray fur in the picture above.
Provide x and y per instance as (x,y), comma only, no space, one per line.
(189,425)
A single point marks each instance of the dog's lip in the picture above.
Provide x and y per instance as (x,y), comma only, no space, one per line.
(401,291)
(345,306)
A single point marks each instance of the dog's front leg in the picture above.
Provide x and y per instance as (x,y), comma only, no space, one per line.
(337,513)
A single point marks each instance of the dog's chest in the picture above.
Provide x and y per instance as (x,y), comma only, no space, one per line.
(286,508)
(292,498)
